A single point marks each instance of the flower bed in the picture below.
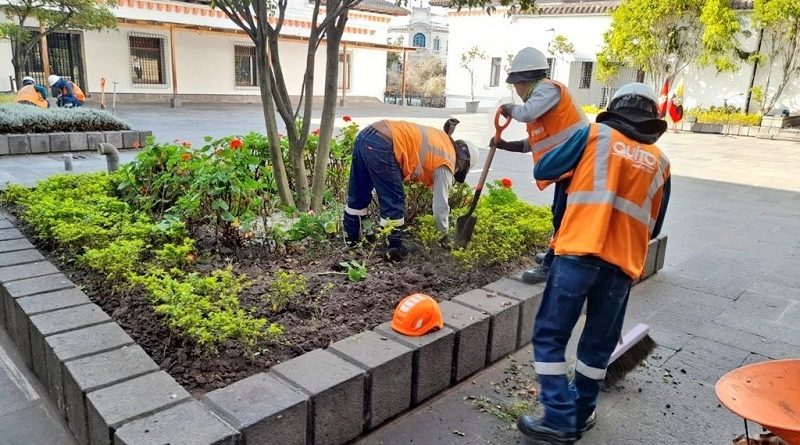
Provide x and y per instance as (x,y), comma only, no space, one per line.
(190,252)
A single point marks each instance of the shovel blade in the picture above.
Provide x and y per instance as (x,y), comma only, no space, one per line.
(465,225)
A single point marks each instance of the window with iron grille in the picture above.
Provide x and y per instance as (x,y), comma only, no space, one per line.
(147,59)
(345,70)
(494,75)
(245,67)
(586,75)
(550,62)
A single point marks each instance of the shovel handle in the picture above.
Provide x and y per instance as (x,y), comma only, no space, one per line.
(498,131)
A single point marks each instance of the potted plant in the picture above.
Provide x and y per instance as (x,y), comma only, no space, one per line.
(468,59)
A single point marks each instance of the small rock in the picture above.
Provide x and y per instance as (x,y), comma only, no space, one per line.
(669,406)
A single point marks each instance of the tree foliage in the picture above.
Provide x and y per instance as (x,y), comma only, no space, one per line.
(52,16)
(780,20)
(426,76)
(560,46)
(468,59)
(660,37)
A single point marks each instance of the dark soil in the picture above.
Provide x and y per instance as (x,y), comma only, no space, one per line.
(323,315)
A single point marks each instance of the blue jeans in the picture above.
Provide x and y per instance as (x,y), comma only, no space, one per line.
(605,288)
(68,100)
(558,208)
(374,167)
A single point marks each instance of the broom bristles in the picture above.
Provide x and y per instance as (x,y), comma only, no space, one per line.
(629,360)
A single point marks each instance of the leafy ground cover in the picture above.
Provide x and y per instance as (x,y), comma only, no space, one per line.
(18,119)
(189,250)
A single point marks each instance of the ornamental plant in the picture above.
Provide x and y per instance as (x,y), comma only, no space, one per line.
(16,118)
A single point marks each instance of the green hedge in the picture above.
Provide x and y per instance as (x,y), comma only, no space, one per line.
(722,117)
(29,119)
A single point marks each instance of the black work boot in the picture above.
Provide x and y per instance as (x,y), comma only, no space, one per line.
(538,433)
(539,258)
(536,275)
(590,422)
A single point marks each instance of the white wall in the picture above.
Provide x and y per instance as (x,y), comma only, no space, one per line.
(369,73)
(6,68)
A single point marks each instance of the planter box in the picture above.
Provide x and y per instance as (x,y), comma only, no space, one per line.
(22,144)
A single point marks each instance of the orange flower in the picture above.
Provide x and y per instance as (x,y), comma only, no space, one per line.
(236,143)
(315,132)
(506,183)
(186,156)
(136,144)
(347,118)
(190,257)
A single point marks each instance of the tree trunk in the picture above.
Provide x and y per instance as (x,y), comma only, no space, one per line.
(754,72)
(334,36)
(268,106)
(788,71)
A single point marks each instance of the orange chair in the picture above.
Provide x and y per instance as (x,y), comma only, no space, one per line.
(767,393)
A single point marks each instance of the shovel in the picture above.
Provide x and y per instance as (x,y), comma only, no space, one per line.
(465,224)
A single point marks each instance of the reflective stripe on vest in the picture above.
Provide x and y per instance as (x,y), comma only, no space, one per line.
(552,141)
(426,148)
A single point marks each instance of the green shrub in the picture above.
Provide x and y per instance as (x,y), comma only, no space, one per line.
(207,308)
(116,261)
(28,119)
(506,229)
(426,232)
(725,115)
(592,109)
(7,98)
(175,256)
(284,288)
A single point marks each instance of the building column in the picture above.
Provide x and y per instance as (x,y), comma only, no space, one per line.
(174,102)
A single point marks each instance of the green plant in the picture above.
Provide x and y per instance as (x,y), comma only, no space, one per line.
(592,109)
(426,232)
(285,287)
(116,261)
(356,270)
(506,229)
(315,227)
(206,308)
(725,115)
(175,256)
(16,118)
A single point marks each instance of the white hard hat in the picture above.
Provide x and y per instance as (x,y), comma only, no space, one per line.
(28,79)
(637,103)
(636,89)
(52,79)
(528,60)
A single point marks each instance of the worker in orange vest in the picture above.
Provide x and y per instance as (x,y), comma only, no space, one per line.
(552,117)
(387,154)
(616,201)
(70,95)
(32,94)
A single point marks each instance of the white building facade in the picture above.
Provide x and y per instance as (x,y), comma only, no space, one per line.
(583,24)
(167,48)
(425,30)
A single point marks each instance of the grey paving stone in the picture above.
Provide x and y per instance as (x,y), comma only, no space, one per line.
(432,359)
(529,297)
(61,348)
(20,257)
(189,423)
(15,245)
(264,408)
(56,322)
(114,138)
(662,251)
(143,135)
(26,307)
(389,369)
(129,138)
(23,271)
(6,224)
(753,307)
(471,338)
(650,259)
(685,316)
(18,144)
(751,342)
(84,375)
(503,329)
(10,234)
(3,145)
(30,286)
(59,142)
(40,143)
(705,360)
(77,142)
(336,388)
(109,408)
(93,140)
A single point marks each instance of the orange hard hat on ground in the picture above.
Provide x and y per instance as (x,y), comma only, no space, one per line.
(417,315)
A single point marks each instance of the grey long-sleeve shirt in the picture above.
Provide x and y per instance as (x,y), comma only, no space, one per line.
(544,98)
(442,181)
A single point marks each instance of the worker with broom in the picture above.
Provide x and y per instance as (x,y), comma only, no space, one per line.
(552,117)
(616,201)
(387,154)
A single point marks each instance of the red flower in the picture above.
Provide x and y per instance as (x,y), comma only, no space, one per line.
(236,144)
(186,156)
(315,132)
(506,183)
(136,144)
(347,118)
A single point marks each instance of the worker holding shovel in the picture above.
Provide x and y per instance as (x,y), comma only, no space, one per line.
(551,117)
(387,154)
(616,201)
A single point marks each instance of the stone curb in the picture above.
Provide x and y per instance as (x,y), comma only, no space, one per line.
(111,392)
(22,144)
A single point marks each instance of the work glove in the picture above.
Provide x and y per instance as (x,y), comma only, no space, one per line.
(505,109)
(515,146)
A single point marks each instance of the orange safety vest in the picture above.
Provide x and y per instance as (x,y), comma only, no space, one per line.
(75,89)
(613,200)
(555,126)
(29,94)
(420,150)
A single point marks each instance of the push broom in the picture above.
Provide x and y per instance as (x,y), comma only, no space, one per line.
(635,346)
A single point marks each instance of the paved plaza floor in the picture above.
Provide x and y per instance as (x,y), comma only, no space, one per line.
(729,293)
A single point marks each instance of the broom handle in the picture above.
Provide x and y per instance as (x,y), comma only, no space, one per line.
(498,131)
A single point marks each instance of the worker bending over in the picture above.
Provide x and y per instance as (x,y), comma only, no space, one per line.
(32,94)
(389,153)
(70,95)
(616,201)
(551,117)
